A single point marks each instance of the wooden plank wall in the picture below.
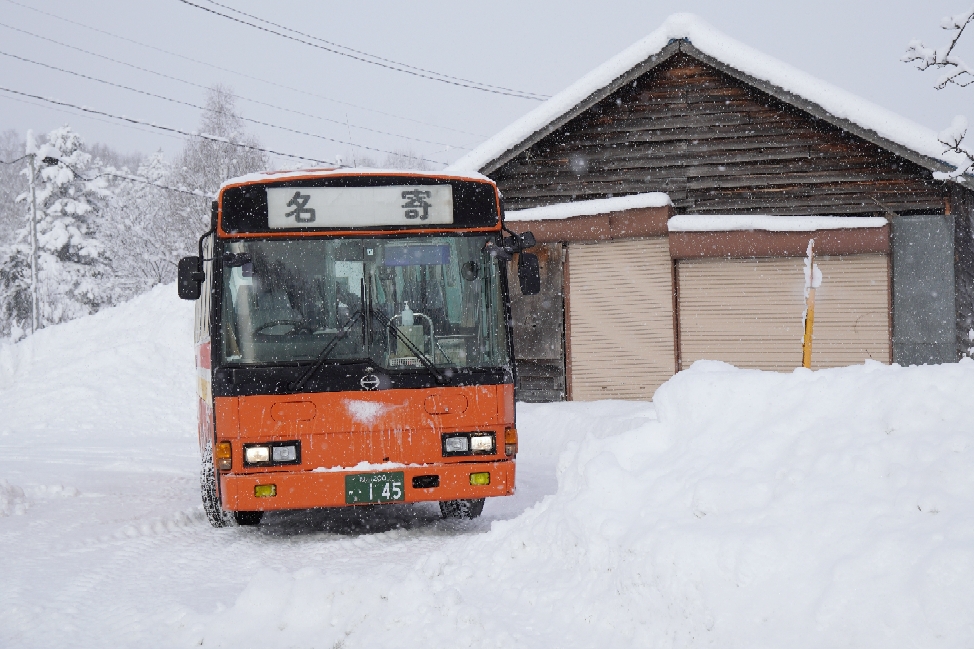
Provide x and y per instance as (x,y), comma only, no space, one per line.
(715,145)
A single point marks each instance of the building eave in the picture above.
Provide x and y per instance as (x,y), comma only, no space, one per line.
(579,108)
(685,46)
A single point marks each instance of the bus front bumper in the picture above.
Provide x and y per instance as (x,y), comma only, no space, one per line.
(312,489)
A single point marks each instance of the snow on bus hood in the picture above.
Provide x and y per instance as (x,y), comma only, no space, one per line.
(802,509)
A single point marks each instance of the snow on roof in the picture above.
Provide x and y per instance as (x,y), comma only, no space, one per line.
(325,172)
(837,102)
(717,223)
(589,208)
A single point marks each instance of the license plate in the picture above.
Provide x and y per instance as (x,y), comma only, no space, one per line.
(374,487)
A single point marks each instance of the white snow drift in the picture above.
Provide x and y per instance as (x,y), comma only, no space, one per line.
(741,509)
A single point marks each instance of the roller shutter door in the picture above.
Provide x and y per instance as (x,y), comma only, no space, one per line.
(620,318)
(748,312)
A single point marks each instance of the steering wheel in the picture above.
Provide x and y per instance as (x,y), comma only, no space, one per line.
(296,325)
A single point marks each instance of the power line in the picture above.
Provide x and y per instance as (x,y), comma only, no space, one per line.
(10,162)
(397,67)
(478,84)
(246,76)
(191,105)
(197,85)
(137,179)
(89,117)
(205,136)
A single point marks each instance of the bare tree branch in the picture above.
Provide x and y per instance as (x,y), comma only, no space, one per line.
(956,71)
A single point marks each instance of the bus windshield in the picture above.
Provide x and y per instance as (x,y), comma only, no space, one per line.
(397,303)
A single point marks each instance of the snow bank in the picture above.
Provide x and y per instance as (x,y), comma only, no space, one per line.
(811,509)
(103,374)
(741,509)
(834,100)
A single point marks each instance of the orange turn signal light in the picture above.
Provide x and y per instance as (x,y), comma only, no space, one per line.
(510,442)
(222,453)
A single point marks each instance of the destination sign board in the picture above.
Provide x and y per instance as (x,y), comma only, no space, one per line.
(358,207)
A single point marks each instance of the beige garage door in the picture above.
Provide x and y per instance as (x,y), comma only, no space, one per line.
(620,318)
(748,312)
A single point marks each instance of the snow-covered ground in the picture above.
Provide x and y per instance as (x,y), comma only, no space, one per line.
(747,509)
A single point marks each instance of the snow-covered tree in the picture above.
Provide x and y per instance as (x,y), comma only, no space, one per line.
(144,238)
(205,164)
(12,184)
(72,265)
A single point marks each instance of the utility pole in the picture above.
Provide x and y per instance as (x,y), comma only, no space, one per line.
(34,324)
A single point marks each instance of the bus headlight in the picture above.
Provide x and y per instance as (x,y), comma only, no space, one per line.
(284,453)
(457,444)
(272,453)
(479,443)
(482,443)
(257,454)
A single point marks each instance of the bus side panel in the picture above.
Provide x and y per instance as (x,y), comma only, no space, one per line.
(201,335)
(505,404)
(203,390)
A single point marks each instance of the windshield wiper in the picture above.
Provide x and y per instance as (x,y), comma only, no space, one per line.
(323,356)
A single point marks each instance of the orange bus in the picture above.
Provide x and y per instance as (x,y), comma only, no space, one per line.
(354,342)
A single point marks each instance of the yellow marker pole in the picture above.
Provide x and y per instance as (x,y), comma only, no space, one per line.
(809,308)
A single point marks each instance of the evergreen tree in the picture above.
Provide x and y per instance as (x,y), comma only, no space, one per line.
(71,263)
(101,238)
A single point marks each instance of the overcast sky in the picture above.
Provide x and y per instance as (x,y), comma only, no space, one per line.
(538,47)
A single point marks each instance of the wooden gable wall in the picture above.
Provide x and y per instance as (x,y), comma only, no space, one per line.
(715,145)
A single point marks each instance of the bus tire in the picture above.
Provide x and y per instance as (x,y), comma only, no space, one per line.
(462,508)
(215,513)
(248,518)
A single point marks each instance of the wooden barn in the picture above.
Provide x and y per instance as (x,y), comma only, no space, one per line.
(675,190)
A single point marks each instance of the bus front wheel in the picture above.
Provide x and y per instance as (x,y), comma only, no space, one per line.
(217,516)
(462,508)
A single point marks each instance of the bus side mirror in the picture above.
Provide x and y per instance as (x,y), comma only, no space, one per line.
(527,240)
(189,280)
(529,273)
